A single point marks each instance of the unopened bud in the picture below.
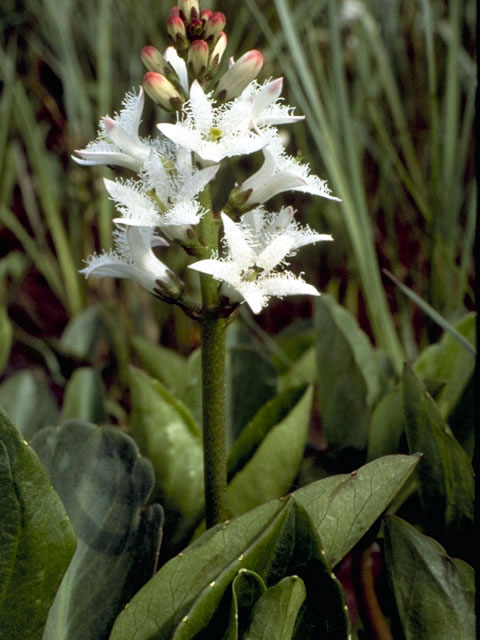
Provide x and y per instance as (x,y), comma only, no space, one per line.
(162,91)
(177,31)
(239,75)
(205,15)
(189,9)
(153,59)
(197,58)
(214,27)
(217,52)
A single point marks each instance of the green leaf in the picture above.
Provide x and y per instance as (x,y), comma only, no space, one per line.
(81,335)
(279,432)
(302,371)
(446,484)
(247,587)
(164,364)
(275,612)
(29,402)
(36,538)
(6,334)
(348,377)
(387,425)
(168,435)
(449,362)
(85,397)
(246,393)
(434,593)
(182,376)
(104,484)
(344,507)
(273,540)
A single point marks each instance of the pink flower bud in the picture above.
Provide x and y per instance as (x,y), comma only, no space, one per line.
(197,58)
(177,31)
(214,27)
(205,15)
(162,91)
(217,52)
(239,75)
(189,9)
(153,59)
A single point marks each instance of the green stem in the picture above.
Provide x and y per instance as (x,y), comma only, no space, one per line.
(212,332)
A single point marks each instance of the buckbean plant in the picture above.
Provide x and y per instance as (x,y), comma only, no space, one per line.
(177,530)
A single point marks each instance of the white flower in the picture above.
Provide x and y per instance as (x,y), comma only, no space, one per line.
(164,197)
(179,66)
(238,127)
(256,247)
(210,131)
(118,142)
(281,172)
(262,107)
(133,258)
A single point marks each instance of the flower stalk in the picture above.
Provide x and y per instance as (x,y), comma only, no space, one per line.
(212,335)
(241,251)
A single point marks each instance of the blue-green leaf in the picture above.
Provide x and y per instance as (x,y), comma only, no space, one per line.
(29,402)
(348,375)
(85,397)
(434,594)
(104,485)
(169,436)
(37,540)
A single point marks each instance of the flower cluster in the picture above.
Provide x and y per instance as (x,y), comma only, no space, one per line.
(216,118)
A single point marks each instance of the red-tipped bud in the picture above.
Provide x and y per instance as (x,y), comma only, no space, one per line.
(214,27)
(197,58)
(162,91)
(177,32)
(189,9)
(174,12)
(239,75)
(217,52)
(153,59)
(205,15)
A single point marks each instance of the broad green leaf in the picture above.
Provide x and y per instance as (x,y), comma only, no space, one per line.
(36,539)
(434,594)
(85,397)
(182,376)
(302,371)
(163,364)
(247,587)
(344,507)
(348,377)
(251,380)
(104,484)
(81,335)
(291,344)
(387,425)
(168,435)
(446,484)
(255,431)
(274,540)
(29,402)
(282,426)
(6,333)
(275,612)
(449,362)
(182,597)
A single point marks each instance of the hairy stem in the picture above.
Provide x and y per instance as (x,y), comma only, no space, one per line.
(212,334)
